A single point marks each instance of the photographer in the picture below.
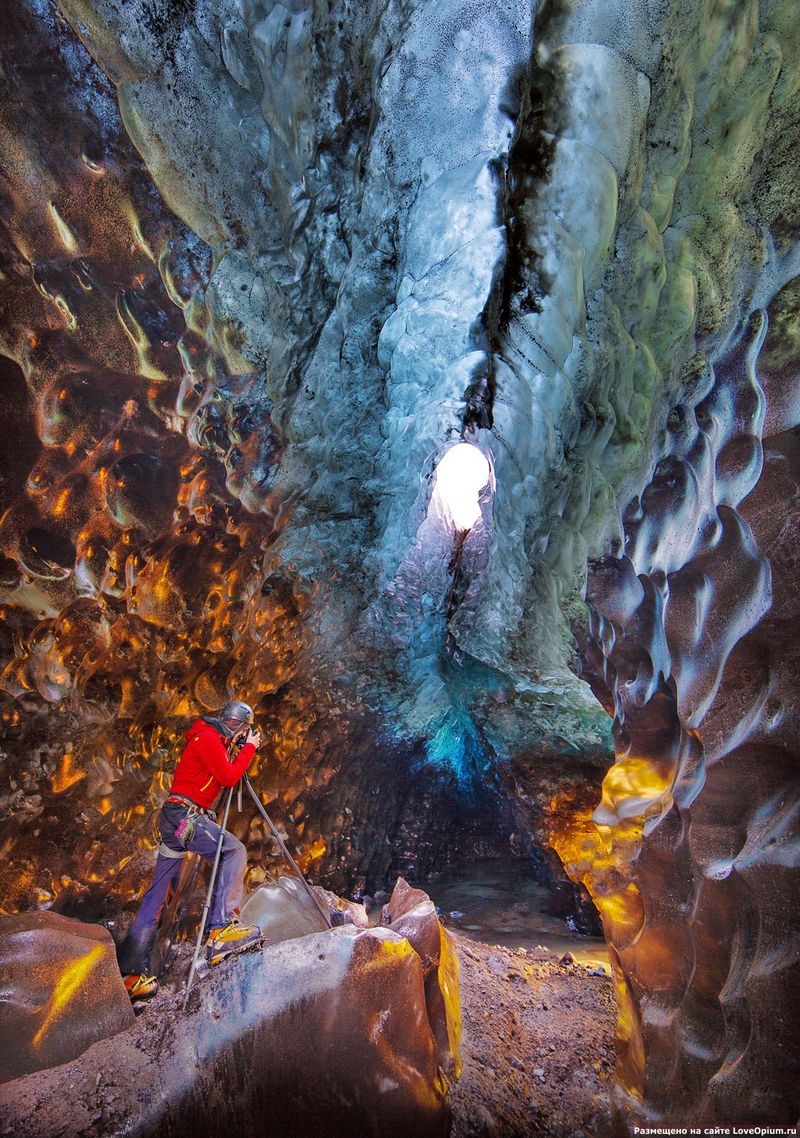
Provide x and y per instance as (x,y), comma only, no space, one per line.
(208,763)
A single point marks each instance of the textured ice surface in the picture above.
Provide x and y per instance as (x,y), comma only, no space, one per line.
(61,991)
(388,164)
(693,850)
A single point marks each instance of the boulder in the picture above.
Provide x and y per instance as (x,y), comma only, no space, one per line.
(61,991)
(411,913)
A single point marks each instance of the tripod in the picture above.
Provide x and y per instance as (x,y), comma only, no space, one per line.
(215,868)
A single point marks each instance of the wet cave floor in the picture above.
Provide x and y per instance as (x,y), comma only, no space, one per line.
(502,902)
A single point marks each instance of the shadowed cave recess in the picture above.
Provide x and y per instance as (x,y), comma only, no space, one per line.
(262,265)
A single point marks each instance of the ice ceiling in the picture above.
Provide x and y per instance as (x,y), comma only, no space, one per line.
(263,264)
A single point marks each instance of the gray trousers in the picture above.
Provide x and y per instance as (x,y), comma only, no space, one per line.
(184,831)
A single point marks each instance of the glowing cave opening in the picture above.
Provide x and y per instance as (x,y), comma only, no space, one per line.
(460,476)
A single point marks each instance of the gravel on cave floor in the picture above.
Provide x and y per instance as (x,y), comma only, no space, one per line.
(537,1045)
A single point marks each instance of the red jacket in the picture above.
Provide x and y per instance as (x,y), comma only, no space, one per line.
(205,765)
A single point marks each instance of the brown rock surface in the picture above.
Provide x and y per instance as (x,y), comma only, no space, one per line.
(412,914)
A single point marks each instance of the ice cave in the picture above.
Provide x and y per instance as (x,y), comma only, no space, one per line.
(425,373)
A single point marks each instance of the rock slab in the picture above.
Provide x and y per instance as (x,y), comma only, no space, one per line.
(412,914)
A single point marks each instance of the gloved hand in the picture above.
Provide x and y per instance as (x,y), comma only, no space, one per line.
(254,737)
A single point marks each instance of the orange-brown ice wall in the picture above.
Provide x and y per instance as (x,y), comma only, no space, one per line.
(124,406)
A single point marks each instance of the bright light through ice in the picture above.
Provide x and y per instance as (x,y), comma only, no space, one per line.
(460,476)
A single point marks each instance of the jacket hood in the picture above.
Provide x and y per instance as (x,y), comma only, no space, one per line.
(206,723)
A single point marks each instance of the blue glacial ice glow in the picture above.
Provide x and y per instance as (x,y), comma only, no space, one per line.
(456,747)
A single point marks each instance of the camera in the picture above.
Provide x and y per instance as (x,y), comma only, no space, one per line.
(236,743)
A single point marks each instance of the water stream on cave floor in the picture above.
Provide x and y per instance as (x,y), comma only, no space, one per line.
(501,902)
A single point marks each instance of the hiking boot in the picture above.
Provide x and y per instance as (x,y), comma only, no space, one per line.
(140,986)
(231,938)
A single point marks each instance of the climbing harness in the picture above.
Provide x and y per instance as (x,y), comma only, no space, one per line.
(184,801)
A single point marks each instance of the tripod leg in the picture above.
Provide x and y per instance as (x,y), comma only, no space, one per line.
(209,894)
(324,912)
